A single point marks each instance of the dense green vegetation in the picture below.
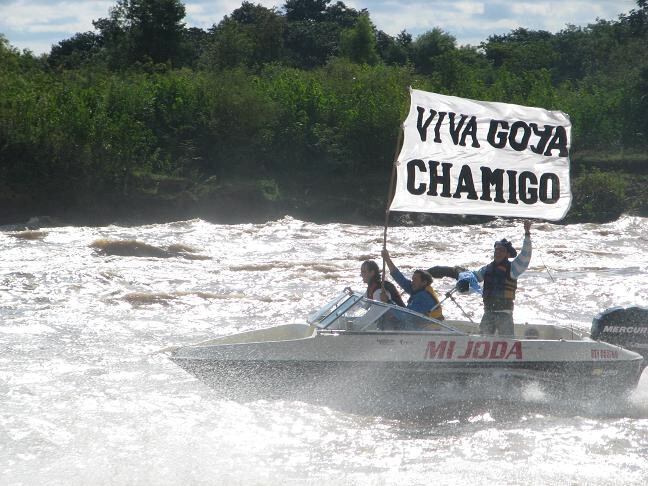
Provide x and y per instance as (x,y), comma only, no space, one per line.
(281,110)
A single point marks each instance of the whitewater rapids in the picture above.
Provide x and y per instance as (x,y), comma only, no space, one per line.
(85,398)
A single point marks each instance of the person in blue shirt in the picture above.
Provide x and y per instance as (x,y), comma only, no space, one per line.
(423,298)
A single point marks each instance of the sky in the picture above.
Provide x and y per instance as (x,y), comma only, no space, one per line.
(37,24)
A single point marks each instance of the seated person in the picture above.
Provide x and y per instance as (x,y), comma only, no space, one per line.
(370,274)
(423,298)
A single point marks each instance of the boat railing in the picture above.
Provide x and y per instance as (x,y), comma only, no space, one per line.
(387,332)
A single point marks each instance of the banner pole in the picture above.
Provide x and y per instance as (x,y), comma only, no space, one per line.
(390,196)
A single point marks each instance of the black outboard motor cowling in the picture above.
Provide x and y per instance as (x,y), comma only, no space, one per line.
(625,327)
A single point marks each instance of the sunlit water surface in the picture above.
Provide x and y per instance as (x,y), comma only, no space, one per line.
(85,398)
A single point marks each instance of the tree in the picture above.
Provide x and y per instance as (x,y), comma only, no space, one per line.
(6,51)
(143,30)
(341,15)
(230,46)
(308,10)
(428,47)
(314,29)
(521,50)
(195,42)
(394,51)
(76,50)
(638,19)
(251,36)
(639,93)
(359,43)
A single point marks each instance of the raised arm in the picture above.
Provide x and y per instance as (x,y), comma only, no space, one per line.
(521,262)
(388,260)
(405,284)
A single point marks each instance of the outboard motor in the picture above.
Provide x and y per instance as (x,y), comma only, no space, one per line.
(625,327)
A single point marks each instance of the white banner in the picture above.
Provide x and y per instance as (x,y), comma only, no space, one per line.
(462,156)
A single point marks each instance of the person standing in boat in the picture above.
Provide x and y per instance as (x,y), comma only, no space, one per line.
(500,283)
(370,274)
(423,298)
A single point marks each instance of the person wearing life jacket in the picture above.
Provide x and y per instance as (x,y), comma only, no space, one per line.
(423,298)
(499,279)
(370,274)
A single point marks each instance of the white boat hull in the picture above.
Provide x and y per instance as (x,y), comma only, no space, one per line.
(405,370)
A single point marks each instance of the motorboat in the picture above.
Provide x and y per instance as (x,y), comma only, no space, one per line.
(363,354)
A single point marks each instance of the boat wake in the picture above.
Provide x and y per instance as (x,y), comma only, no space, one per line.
(532,400)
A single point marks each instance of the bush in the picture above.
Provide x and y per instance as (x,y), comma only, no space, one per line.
(599,197)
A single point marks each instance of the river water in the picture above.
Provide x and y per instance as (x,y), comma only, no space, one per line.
(85,398)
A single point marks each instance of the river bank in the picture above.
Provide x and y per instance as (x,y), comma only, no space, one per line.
(599,195)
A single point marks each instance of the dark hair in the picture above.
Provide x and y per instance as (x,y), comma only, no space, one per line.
(370,265)
(425,276)
(508,246)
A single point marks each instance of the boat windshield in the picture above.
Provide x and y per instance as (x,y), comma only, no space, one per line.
(337,305)
(351,311)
